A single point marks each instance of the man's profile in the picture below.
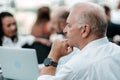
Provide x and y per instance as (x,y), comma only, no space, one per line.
(98,59)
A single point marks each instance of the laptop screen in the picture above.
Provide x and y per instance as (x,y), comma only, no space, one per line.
(19,63)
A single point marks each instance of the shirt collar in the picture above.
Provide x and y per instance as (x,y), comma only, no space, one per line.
(95,43)
(6,39)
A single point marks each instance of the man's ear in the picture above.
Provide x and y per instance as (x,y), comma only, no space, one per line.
(85,31)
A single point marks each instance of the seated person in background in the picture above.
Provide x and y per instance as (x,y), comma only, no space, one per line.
(98,59)
(58,23)
(112,29)
(8,33)
(41,28)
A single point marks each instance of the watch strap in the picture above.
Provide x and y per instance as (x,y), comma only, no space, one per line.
(54,63)
(50,62)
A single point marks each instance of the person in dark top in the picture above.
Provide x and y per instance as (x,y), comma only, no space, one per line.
(112,29)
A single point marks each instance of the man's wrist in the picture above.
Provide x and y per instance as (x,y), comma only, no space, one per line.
(54,57)
(50,62)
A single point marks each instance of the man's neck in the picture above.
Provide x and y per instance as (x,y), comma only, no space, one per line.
(87,41)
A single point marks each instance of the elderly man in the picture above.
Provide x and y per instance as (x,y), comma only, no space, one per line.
(98,59)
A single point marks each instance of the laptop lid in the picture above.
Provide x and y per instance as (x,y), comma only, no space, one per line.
(19,64)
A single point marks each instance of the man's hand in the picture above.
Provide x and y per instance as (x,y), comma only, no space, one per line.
(59,48)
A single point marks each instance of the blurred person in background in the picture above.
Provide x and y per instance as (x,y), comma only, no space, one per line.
(116,38)
(8,30)
(58,23)
(112,29)
(41,28)
(41,25)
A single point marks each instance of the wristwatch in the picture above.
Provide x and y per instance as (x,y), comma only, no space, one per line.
(49,62)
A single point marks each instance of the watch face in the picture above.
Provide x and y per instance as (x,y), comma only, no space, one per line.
(47,62)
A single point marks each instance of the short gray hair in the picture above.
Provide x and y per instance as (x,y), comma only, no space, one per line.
(93,15)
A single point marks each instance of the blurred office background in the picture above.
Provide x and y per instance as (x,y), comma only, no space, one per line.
(25,10)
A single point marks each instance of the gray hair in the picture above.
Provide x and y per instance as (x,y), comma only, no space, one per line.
(94,15)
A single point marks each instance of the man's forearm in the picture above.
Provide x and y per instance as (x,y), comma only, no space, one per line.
(50,70)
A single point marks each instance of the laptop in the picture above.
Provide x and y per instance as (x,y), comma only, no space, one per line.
(19,63)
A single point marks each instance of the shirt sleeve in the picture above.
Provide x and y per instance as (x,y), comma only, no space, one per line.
(65,73)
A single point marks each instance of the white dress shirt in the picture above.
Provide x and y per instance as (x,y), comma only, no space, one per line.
(22,40)
(99,60)
(66,58)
